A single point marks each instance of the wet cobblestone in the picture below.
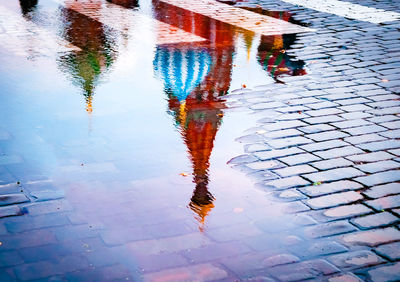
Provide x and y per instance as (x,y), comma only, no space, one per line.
(363,114)
(330,152)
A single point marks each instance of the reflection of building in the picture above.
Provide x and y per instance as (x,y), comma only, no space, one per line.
(194,78)
(97,55)
(197,111)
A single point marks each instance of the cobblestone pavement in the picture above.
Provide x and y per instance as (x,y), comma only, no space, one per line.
(333,137)
(324,154)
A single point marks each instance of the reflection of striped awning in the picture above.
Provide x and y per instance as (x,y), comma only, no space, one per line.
(182,70)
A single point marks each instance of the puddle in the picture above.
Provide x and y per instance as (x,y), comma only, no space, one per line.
(135,129)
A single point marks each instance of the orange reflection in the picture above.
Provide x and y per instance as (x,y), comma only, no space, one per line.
(195,77)
(87,66)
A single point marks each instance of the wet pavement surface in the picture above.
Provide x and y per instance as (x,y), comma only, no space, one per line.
(199,140)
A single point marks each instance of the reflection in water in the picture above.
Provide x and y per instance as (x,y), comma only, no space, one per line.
(273,58)
(194,79)
(182,69)
(195,76)
(87,66)
(196,108)
(272,49)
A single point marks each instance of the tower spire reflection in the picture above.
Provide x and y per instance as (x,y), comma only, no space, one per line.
(195,77)
(86,67)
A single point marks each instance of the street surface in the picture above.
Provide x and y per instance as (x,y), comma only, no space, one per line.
(173,140)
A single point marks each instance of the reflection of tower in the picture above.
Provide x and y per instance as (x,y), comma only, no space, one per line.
(97,55)
(194,79)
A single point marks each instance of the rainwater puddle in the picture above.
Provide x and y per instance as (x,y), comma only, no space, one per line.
(132,125)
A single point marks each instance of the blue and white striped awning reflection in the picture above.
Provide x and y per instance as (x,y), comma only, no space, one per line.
(181,69)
